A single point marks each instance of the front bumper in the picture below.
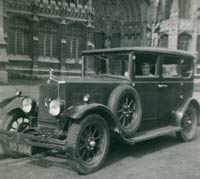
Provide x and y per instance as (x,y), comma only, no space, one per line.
(32,140)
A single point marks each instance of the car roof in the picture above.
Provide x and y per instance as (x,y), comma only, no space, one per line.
(139,49)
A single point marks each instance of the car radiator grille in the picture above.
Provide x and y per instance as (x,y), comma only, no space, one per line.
(48,123)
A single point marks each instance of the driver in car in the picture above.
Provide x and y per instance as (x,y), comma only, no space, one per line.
(146,69)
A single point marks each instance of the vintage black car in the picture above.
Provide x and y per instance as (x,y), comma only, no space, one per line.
(134,93)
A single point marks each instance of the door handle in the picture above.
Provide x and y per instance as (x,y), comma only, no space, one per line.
(162,86)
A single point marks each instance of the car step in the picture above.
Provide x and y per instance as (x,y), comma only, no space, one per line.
(145,135)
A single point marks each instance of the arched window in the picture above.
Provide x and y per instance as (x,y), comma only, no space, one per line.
(168,5)
(18,37)
(75,36)
(184,9)
(163,41)
(48,40)
(184,41)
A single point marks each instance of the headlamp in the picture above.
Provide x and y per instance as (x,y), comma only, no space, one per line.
(56,107)
(27,105)
(86,98)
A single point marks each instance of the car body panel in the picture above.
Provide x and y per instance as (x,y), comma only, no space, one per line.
(149,94)
(72,93)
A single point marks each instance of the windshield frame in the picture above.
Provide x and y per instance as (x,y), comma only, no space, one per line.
(129,63)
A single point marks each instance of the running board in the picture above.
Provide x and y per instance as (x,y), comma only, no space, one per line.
(146,135)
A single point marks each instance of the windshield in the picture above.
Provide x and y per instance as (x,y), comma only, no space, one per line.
(112,64)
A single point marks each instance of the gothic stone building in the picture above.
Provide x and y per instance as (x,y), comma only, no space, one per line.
(36,35)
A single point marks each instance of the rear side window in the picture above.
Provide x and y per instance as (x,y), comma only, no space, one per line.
(170,67)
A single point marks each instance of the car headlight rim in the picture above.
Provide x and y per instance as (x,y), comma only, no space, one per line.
(27,105)
(56,107)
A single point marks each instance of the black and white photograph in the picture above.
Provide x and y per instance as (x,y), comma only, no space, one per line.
(104,89)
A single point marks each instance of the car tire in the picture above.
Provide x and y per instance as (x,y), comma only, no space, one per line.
(125,104)
(15,122)
(189,125)
(88,142)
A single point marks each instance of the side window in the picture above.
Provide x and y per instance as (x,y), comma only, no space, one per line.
(170,67)
(186,68)
(146,65)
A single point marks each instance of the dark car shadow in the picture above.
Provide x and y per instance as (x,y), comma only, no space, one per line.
(118,151)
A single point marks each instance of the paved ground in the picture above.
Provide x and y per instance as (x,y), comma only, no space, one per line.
(162,158)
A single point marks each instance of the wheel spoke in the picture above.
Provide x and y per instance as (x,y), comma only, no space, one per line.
(133,107)
(20,121)
(124,121)
(126,101)
(15,124)
(120,111)
(131,102)
(90,131)
(87,133)
(129,119)
(98,137)
(92,154)
(83,138)
(190,117)
(82,147)
(26,120)
(121,117)
(87,155)
(83,154)
(12,129)
(94,132)
(130,112)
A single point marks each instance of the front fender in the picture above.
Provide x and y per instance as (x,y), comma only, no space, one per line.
(8,105)
(81,110)
(182,107)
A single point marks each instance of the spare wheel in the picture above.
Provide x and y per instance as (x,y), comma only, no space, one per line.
(125,104)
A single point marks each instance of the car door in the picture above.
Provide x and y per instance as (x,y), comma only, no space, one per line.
(146,85)
(170,84)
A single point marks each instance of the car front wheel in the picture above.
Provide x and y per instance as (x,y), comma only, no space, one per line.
(14,122)
(189,125)
(89,143)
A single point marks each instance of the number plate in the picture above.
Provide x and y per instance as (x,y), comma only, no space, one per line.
(21,148)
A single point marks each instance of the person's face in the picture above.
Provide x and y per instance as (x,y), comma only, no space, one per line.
(145,69)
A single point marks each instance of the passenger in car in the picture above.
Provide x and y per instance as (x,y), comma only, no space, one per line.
(146,69)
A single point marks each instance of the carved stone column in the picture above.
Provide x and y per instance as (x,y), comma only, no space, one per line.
(90,40)
(195,27)
(35,46)
(63,47)
(90,27)
(174,25)
(3,52)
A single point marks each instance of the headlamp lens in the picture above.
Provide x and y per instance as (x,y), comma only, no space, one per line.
(55,107)
(27,105)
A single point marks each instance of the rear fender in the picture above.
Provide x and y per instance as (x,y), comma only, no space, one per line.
(180,110)
(81,110)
